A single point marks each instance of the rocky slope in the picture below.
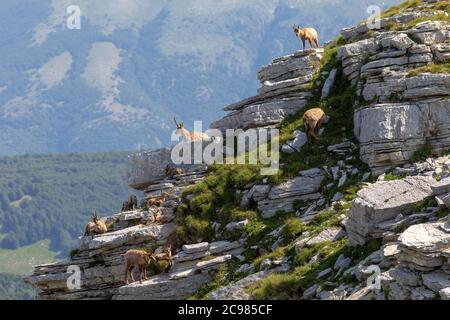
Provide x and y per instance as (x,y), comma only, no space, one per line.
(348,217)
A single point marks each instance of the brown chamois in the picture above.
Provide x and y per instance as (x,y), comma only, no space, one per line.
(131,204)
(157,201)
(170,172)
(309,34)
(165,255)
(137,258)
(96,226)
(190,136)
(313,120)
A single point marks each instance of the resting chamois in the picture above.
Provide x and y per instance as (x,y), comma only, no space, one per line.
(138,258)
(309,34)
(170,172)
(313,120)
(96,226)
(131,204)
(190,136)
(157,201)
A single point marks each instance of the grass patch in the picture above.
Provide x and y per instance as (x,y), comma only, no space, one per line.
(395,10)
(20,261)
(422,153)
(292,285)
(431,68)
(222,276)
(215,200)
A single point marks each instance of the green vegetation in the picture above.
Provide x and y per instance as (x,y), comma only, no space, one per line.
(431,68)
(12,287)
(220,277)
(53,196)
(21,260)
(215,200)
(291,285)
(395,10)
(422,153)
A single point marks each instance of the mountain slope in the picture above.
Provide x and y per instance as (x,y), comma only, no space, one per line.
(328,224)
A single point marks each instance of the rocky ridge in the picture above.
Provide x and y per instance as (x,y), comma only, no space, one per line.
(327,216)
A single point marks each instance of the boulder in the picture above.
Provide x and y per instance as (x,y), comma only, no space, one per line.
(383,201)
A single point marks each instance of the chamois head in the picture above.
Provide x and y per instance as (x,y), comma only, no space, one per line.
(296,29)
(95,217)
(149,257)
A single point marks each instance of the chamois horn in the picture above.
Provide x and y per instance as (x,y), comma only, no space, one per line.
(174,119)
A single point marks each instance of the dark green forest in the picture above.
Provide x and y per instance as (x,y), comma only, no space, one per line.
(13,288)
(53,196)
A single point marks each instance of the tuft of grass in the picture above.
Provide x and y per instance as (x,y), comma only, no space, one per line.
(391,177)
(223,275)
(214,199)
(431,68)
(395,10)
(422,153)
(73,253)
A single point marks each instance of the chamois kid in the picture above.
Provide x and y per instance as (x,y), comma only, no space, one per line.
(137,258)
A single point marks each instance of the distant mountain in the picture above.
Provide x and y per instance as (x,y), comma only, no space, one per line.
(116,83)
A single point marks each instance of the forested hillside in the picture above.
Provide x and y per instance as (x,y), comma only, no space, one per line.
(52,196)
(13,288)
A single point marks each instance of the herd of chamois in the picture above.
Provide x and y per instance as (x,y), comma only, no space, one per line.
(313,119)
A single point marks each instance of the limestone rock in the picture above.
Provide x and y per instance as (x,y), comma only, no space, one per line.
(383,201)
(281,197)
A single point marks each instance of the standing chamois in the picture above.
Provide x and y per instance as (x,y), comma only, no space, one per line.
(313,120)
(96,226)
(190,136)
(137,258)
(309,34)
(131,204)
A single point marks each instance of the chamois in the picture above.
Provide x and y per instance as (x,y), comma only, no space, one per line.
(165,255)
(157,201)
(131,204)
(313,120)
(138,258)
(309,34)
(190,136)
(96,226)
(170,172)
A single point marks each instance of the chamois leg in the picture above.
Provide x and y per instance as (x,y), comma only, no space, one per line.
(131,274)
(310,43)
(127,271)
(317,43)
(141,274)
(304,44)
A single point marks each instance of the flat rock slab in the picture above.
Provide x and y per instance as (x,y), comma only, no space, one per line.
(383,201)
(426,237)
(134,234)
(162,287)
(436,281)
